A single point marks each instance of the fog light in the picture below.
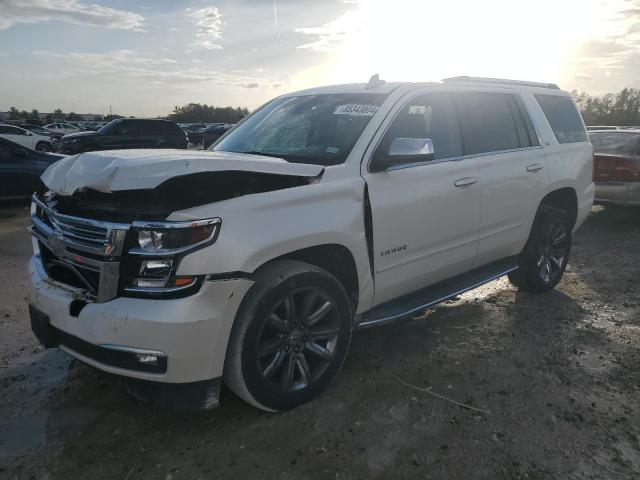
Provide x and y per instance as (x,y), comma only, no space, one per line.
(147,358)
(155,267)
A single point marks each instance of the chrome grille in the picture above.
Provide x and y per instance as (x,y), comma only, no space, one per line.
(85,246)
(77,231)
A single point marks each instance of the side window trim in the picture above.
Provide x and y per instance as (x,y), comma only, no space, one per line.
(403,104)
(534,138)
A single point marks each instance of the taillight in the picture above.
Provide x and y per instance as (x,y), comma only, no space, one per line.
(615,169)
(627,170)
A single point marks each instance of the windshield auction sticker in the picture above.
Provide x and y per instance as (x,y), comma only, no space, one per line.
(356,110)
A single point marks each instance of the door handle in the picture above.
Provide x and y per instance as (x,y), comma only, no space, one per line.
(534,167)
(463,182)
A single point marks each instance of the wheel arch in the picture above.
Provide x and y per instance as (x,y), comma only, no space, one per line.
(565,198)
(337,259)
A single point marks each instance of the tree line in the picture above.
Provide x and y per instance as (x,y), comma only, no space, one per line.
(621,108)
(34,116)
(190,113)
(198,113)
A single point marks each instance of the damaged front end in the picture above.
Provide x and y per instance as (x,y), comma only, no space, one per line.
(119,243)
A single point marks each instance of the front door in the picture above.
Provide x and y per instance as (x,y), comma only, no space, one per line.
(425,216)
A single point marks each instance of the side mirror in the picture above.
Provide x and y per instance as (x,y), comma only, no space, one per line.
(403,151)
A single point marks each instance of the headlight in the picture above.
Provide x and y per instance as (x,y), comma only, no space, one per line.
(160,245)
(176,236)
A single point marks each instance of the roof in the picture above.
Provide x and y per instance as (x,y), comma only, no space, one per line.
(388,87)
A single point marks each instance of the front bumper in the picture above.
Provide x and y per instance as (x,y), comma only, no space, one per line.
(618,193)
(192,333)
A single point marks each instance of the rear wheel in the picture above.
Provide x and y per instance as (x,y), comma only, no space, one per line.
(290,338)
(544,258)
(43,147)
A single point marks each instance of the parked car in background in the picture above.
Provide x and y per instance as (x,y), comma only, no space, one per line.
(35,129)
(62,128)
(126,133)
(213,133)
(20,169)
(194,132)
(616,170)
(602,127)
(26,138)
(326,210)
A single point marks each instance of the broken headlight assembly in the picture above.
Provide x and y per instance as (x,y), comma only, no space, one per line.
(157,248)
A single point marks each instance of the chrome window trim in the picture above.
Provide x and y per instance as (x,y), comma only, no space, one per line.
(458,157)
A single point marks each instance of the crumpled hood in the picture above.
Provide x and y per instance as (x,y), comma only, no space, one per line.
(113,170)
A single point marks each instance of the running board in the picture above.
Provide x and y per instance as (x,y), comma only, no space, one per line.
(406,306)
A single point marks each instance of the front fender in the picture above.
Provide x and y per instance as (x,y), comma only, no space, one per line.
(260,227)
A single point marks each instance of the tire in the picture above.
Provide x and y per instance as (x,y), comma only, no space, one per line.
(273,360)
(546,254)
(43,147)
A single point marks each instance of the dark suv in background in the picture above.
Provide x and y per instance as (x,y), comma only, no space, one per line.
(126,133)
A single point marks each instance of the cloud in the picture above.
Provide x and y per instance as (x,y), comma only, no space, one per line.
(209,23)
(13,12)
(137,68)
(329,35)
(602,53)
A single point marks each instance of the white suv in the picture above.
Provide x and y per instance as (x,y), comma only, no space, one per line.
(325,211)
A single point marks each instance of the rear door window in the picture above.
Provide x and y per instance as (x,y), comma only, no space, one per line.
(563,117)
(488,123)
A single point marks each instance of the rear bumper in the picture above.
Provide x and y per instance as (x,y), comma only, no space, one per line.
(618,193)
(188,335)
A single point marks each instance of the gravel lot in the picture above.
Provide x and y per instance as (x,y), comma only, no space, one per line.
(558,374)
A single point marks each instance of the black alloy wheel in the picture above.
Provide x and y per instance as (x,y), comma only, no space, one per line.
(544,259)
(552,251)
(290,337)
(298,339)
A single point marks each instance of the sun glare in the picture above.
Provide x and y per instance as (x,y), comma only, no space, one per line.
(422,41)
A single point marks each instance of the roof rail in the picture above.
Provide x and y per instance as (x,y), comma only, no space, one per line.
(504,81)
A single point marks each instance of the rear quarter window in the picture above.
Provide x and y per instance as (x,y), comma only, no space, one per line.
(563,118)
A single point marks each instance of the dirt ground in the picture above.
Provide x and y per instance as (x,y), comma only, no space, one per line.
(558,374)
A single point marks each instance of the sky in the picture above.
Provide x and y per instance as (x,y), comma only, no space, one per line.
(142,58)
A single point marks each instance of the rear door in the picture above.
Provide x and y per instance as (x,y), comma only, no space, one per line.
(425,215)
(498,134)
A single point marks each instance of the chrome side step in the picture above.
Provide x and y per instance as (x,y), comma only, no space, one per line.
(406,306)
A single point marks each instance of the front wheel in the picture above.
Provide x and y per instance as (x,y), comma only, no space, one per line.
(290,338)
(546,254)
(43,147)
